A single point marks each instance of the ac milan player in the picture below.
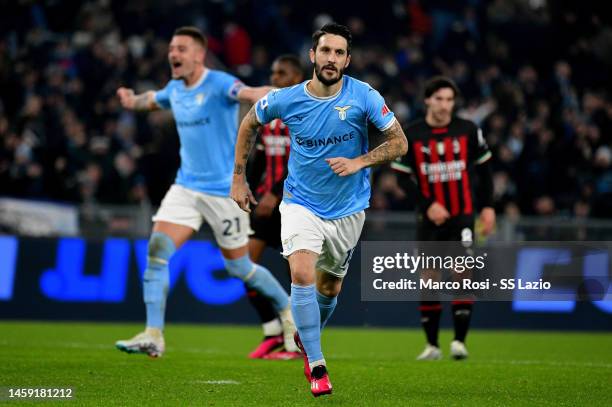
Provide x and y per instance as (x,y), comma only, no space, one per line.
(271,160)
(445,154)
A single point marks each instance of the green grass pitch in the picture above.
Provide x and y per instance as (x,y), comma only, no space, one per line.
(207,366)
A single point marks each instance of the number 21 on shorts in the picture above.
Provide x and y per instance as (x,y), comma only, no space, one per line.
(227,231)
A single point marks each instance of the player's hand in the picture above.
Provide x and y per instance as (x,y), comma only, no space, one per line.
(126,98)
(487,220)
(242,195)
(344,166)
(437,213)
(266,205)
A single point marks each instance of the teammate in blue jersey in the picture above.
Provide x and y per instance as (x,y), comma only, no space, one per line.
(327,187)
(205,104)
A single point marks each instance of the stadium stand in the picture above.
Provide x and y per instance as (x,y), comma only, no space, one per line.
(536,82)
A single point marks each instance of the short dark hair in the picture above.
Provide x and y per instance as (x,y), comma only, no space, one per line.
(292,60)
(336,29)
(193,32)
(440,82)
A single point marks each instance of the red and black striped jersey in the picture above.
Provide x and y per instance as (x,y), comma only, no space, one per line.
(274,142)
(442,160)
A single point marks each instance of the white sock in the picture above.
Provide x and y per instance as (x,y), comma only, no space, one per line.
(272,328)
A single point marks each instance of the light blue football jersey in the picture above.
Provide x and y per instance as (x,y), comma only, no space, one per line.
(206,116)
(320,128)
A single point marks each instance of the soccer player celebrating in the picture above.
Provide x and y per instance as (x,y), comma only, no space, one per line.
(205,105)
(445,152)
(327,187)
(272,151)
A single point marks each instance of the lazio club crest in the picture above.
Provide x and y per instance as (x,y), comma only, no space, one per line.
(342,111)
(288,243)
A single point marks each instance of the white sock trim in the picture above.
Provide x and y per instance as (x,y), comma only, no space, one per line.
(252,272)
(158,260)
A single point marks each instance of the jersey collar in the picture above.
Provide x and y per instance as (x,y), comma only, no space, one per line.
(319,98)
(199,81)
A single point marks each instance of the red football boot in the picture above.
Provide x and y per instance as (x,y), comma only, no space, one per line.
(298,342)
(267,346)
(319,383)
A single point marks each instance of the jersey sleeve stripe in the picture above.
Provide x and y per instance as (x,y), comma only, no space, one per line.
(388,126)
(485,157)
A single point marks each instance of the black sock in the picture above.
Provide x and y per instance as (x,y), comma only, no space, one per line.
(430,320)
(462,313)
(262,306)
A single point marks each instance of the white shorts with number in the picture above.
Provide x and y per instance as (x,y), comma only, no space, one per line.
(190,208)
(333,240)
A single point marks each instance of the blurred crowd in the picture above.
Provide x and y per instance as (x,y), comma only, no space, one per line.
(534,74)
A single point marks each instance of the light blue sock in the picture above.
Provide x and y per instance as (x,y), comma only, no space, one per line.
(327,305)
(156,278)
(260,279)
(307,320)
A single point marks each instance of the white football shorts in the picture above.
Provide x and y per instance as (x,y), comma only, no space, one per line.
(333,240)
(183,206)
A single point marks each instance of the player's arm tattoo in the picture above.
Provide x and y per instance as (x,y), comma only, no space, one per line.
(395,145)
(246,138)
(305,251)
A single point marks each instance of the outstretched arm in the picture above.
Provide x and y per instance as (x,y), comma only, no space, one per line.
(251,95)
(395,145)
(143,102)
(246,138)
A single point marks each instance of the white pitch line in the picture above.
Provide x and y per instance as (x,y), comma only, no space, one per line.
(215,382)
(81,345)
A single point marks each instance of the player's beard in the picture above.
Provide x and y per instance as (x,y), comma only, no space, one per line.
(323,79)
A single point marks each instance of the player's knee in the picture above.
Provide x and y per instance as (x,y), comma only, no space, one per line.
(161,248)
(156,277)
(302,276)
(242,268)
(329,289)
(328,284)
